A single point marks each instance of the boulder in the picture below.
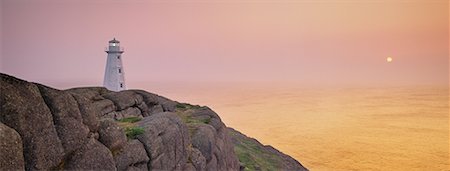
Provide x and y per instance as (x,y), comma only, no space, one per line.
(197,160)
(91,156)
(91,93)
(132,157)
(66,117)
(11,151)
(166,140)
(24,110)
(204,140)
(124,99)
(204,112)
(114,115)
(155,109)
(105,106)
(213,141)
(111,135)
(152,99)
(144,109)
(89,111)
(130,112)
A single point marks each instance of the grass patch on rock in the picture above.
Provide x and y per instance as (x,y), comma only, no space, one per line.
(186,116)
(185,112)
(185,106)
(133,132)
(130,119)
(129,125)
(197,121)
(254,157)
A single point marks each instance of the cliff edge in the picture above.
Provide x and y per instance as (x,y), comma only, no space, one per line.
(91,128)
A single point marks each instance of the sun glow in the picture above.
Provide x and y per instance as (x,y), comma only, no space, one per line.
(389,59)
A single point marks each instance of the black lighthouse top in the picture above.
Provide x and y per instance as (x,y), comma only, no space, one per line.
(114,41)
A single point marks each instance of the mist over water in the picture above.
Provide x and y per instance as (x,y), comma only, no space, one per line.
(323,42)
(395,128)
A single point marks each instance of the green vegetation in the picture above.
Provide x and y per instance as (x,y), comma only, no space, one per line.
(192,122)
(188,106)
(129,125)
(185,114)
(192,128)
(132,132)
(185,111)
(197,121)
(130,119)
(254,157)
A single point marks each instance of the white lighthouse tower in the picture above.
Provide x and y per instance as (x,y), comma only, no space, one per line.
(114,74)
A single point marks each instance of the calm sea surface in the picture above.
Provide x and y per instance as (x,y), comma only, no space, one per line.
(396,128)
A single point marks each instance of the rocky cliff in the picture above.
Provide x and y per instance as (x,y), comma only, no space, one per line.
(43,128)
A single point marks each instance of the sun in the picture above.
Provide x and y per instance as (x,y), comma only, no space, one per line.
(389,59)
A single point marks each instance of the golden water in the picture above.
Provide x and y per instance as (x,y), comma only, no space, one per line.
(397,128)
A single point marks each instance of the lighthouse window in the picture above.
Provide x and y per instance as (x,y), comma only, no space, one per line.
(118,57)
(121,85)
(120,71)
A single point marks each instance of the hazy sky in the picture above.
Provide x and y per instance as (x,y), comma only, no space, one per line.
(308,42)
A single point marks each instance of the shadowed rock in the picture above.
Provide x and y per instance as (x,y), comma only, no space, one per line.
(66,117)
(92,156)
(144,109)
(24,110)
(205,145)
(132,157)
(11,157)
(197,160)
(88,110)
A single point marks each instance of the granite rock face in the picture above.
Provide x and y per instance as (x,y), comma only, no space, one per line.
(92,128)
(11,149)
(93,155)
(166,141)
(111,134)
(67,118)
(132,157)
(24,110)
(211,139)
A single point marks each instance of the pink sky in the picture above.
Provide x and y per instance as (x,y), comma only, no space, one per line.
(307,42)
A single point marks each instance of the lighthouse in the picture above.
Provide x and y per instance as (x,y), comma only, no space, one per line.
(114,73)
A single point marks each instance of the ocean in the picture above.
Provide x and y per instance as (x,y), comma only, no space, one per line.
(388,128)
